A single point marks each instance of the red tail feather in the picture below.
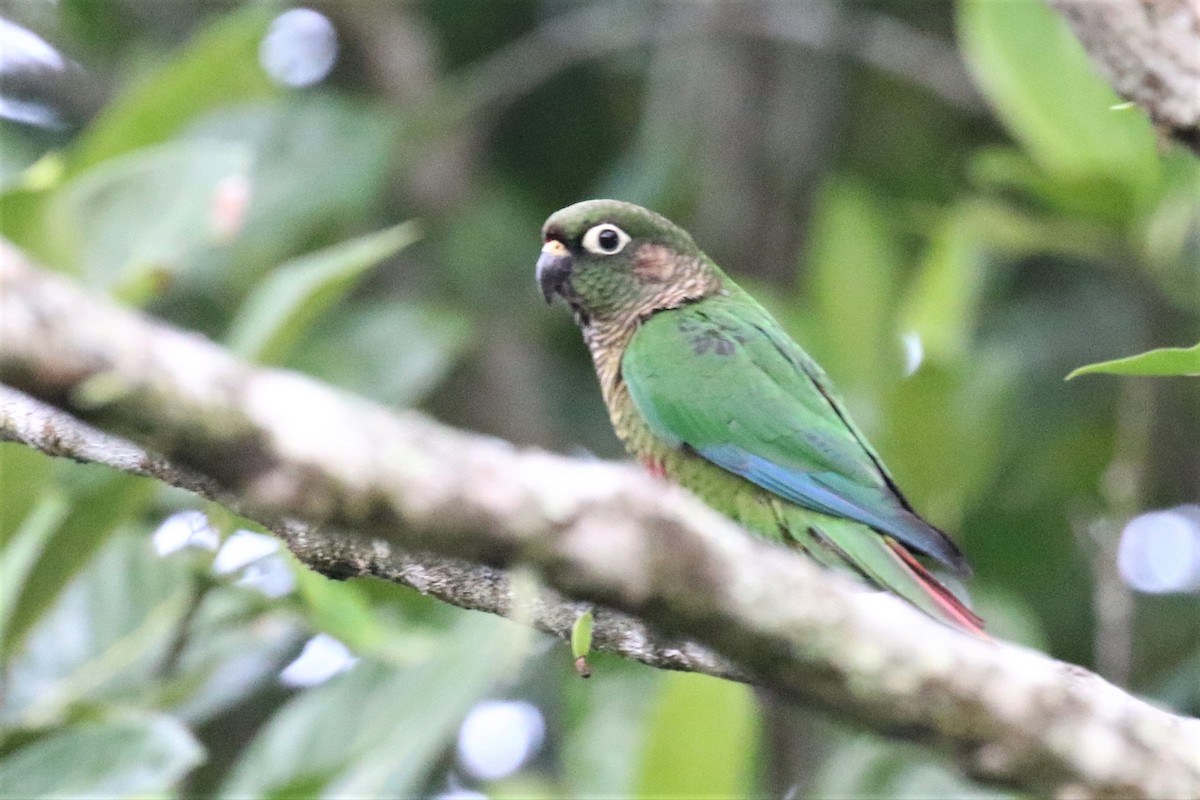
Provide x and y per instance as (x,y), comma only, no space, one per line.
(953,607)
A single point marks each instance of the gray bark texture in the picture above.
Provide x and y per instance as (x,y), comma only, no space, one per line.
(1149,50)
(357,489)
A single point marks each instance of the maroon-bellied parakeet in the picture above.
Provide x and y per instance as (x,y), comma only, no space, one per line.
(705,387)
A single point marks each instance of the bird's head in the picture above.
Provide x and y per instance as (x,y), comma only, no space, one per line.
(614,261)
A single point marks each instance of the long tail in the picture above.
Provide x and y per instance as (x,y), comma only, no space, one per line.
(884,562)
(943,597)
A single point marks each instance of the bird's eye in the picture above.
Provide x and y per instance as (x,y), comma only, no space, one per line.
(605,239)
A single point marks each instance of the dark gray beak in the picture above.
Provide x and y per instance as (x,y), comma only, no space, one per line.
(553,269)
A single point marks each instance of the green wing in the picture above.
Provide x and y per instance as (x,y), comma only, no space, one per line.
(722,378)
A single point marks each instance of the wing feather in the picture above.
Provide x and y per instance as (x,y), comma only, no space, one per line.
(722,378)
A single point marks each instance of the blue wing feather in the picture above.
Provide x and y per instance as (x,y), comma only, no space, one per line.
(830,494)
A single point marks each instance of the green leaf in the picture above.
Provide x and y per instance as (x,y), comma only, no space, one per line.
(346,148)
(341,609)
(285,305)
(23,223)
(1059,215)
(1170,236)
(22,551)
(234,647)
(866,766)
(1163,361)
(613,706)
(100,501)
(701,741)
(219,67)
(1036,74)
(852,260)
(105,638)
(357,348)
(102,217)
(942,428)
(18,157)
(943,302)
(135,756)
(25,472)
(376,730)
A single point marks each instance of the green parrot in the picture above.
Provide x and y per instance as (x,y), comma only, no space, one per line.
(705,388)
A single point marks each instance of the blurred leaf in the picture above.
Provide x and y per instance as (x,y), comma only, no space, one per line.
(524,785)
(394,601)
(375,730)
(1179,687)
(1170,236)
(1163,361)
(24,472)
(613,706)
(133,756)
(99,24)
(852,258)
(1008,229)
(22,551)
(235,645)
(22,221)
(865,766)
(218,67)
(17,154)
(943,303)
(100,501)
(104,224)
(394,351)
(104,639)
(1038,77)
(701,740)
(284,306)
(1047,202)
(343,146)
(941,431)
(341,609)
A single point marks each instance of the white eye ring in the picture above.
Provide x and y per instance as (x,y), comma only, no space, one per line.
(605,239)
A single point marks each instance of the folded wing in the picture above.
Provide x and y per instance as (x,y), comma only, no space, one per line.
(721,378)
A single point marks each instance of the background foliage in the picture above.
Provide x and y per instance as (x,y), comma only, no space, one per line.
(943,203)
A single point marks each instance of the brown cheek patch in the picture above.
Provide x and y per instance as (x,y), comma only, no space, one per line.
(656,263)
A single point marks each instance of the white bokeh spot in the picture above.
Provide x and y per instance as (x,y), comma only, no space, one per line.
(914,352)
(299,48)
(183,530)
(257,557)
(1159,551)
(498,736)
(322,657)
(22,49)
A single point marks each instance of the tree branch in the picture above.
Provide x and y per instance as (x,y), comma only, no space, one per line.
(287,447)
(31,422)
(1149,52)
